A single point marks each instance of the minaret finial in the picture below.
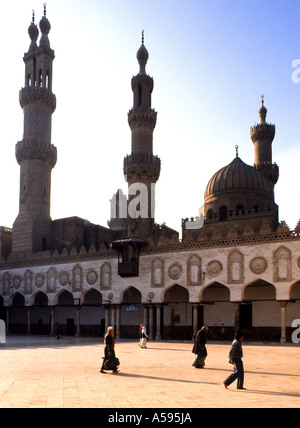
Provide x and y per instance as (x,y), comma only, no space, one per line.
(45,9)
(236,150)
(143,34)
(262,111)
(33,16)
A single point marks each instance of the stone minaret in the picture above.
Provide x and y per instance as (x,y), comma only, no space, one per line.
(35,153)
(141,168)
(262,136)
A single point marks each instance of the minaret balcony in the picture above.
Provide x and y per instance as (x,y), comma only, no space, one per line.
(142,117)
(264,131)
(269,170)
(36,94)
(33,149)
(143,165)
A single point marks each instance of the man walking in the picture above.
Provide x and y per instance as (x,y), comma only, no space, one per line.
(235,357)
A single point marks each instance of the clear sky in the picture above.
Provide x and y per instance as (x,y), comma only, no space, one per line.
(210,60)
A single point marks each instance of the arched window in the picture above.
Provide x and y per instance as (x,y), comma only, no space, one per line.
(209,214)
(44,244)
(239,209)
(139,95)
(40,78)
(223,213)
(47,79)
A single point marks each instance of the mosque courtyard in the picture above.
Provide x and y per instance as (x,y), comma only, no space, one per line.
(40,371)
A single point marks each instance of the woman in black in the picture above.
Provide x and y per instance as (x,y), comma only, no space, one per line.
(199,348)
(110,362)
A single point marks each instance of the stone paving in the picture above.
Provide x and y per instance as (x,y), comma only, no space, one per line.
(38,371)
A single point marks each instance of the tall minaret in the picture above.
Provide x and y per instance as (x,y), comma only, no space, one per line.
(262,136)
(35,153)
(141,168)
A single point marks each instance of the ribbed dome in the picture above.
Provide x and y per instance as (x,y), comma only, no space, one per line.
(237,177)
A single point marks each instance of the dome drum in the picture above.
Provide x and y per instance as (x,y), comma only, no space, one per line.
(236,192)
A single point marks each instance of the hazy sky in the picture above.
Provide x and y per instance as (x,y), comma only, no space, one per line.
(210,60)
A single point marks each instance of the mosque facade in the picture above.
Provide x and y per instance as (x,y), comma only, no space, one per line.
(235,265)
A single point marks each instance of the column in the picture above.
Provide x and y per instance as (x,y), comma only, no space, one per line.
(236,316)
(151,324)
(283,322)
(146,318)
(107,317)
(7,320)
(158,319)
(113,317)
(118,321)
(28,332)
(52,321)
(78,308)
(195,319)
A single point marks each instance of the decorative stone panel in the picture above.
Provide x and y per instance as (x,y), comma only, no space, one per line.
(214,268)
(105,277)
(175,271)
(258,265)
(64,278)
(157,273)
(28,282)
(194,270)
(77,278)
(282,265)
(39,280)
(51,280)
(92,277)
(17,282)
(6,284)
(235,272)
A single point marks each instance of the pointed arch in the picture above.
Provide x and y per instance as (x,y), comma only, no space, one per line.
(294,291)
(64,298)
(92,297)
(131,296)
(39,299)
(17,299)
(175,294)
(215,292)
(259,290)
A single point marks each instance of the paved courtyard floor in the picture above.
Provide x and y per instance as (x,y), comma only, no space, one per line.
(38,371)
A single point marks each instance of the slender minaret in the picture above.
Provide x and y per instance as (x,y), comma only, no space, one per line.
(141,168)
(262,136)
(35,153)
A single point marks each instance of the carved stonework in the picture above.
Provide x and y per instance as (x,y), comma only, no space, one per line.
(6,284)
(92,277)
(17,282)
(64,278)
(299,262)
(77,278)
(157,273)
(105,277)
(235,271)
(39,280)
(282,265)
(175,271)
(194,270)
(214,268)
(51,280)
(258,265)
(28,282)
